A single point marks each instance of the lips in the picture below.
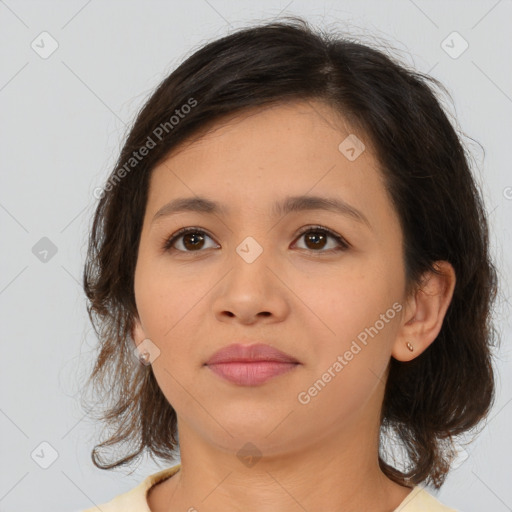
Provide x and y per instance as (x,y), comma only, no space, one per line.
(250,365)
(239,353)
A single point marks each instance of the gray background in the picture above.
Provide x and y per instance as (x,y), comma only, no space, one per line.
(63,120)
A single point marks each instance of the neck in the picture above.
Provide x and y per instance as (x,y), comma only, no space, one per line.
(339,471)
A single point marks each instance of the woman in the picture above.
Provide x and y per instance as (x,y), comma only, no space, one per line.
(289,267)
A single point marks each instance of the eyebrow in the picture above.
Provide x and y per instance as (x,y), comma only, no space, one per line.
(288,205)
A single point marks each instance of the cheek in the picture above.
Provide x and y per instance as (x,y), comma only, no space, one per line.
(344,302)
(340,392)
(161,298)
(153,305)
(163,306)
(169,306)
(347,366)
(355,319)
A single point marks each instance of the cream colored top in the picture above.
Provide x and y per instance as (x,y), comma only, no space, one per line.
(418,500)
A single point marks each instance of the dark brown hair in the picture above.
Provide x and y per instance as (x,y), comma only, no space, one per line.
(444,392)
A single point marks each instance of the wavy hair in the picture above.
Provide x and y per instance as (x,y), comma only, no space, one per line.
(449,388)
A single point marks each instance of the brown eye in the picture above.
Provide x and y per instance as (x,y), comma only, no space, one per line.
(316,239)
(191,239)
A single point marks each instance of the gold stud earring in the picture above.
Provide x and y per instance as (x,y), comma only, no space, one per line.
(144,358)
(410,347)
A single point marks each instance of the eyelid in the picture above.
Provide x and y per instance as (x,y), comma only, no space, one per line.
(168,241)
(343,244)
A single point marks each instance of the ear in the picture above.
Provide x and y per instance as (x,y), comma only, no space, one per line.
(424,312)
(144,349)
(137,331)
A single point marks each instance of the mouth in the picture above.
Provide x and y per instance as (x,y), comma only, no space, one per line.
(250,365)
(242,353)
(251,373)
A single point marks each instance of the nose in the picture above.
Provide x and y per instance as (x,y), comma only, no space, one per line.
(251,291)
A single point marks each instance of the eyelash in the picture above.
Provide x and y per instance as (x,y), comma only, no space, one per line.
(344,245)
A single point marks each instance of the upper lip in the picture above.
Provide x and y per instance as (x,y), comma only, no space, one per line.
(242,353)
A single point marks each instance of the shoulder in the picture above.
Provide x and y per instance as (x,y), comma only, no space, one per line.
(420,500)
(135,499)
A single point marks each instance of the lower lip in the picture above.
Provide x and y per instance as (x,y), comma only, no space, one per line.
(251,374)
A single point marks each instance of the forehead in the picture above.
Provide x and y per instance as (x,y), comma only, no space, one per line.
(298,138)
(252,159)
(276,126)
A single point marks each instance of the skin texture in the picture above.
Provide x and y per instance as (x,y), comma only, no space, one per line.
(316,456)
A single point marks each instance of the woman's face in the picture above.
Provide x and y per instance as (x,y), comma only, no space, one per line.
(254,274)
